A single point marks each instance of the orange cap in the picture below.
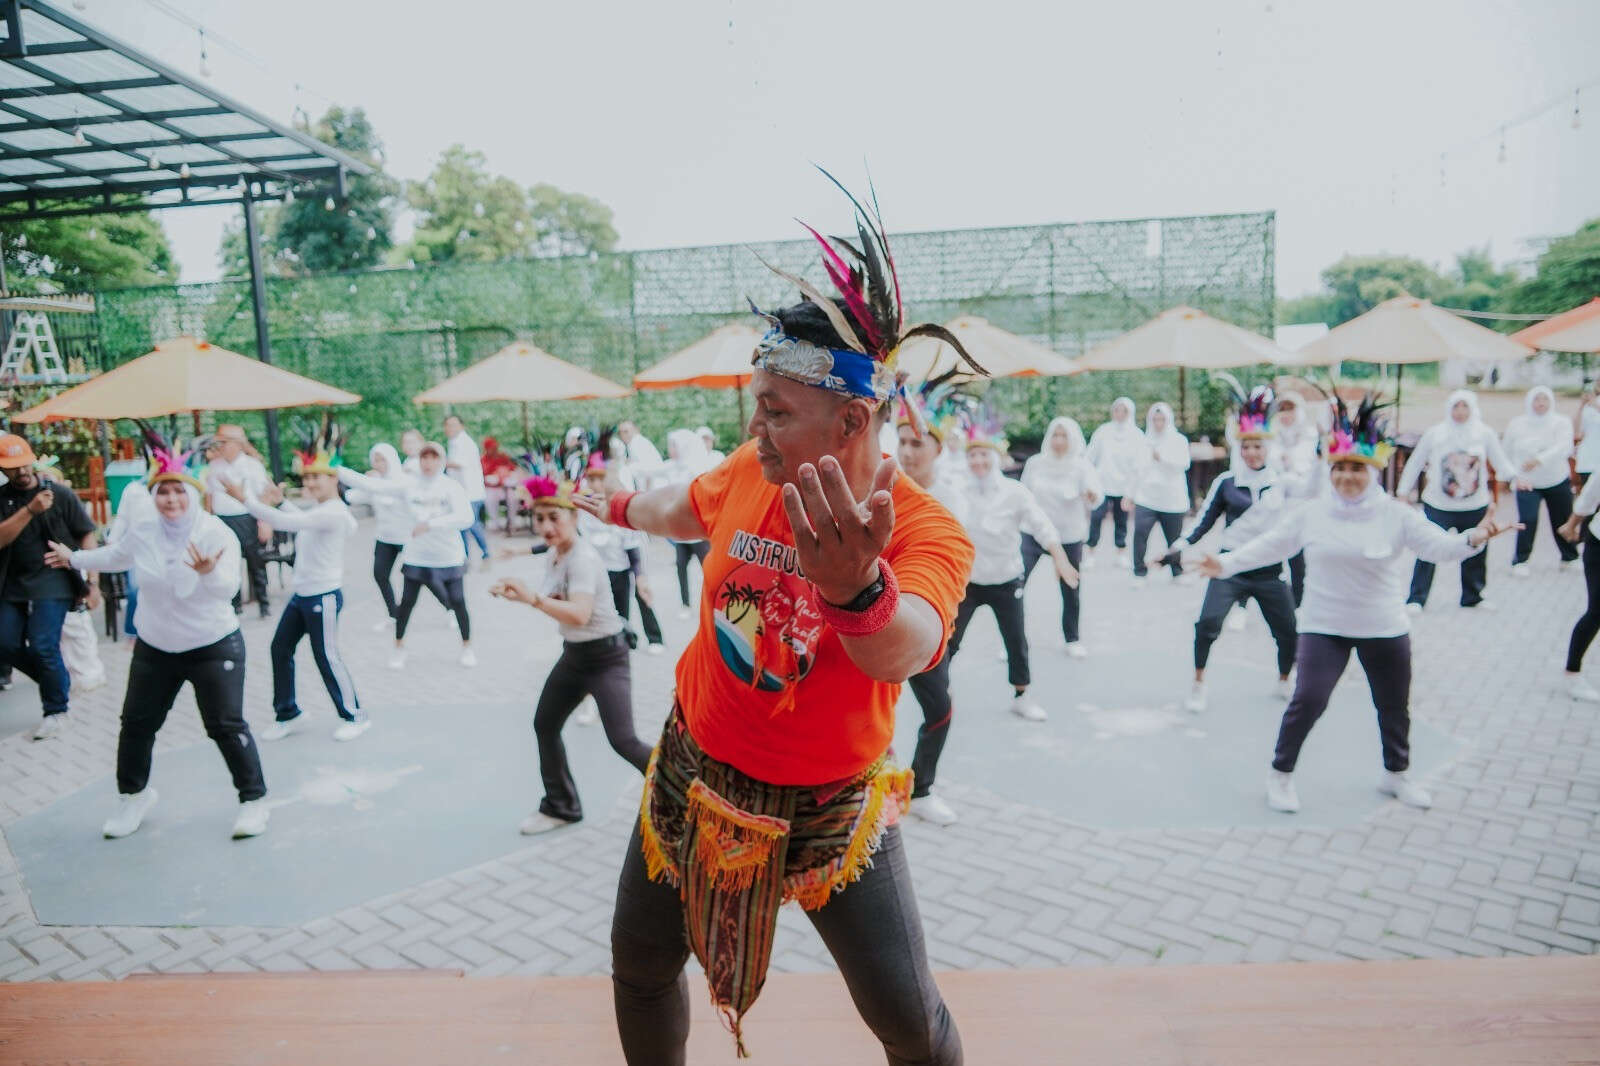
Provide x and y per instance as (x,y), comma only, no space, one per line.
(15,452)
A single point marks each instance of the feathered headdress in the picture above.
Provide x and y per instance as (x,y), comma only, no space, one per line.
(320,453)
(166,462)
(550,492)
(1362,438)
(932,406)
(595,465)
(864,276)
(979,425)
(1252,410)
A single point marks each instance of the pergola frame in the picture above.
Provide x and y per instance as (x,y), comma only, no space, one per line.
(140,136)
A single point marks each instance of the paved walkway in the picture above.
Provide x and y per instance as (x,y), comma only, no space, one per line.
(1043,869)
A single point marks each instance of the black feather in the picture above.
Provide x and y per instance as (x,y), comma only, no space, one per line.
(938,332)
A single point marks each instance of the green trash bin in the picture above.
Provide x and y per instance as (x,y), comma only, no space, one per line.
(121,474)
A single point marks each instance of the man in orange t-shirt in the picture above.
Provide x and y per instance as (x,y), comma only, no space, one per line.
(830,580)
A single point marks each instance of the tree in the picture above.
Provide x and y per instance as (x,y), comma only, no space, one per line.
(466,214)
(1568,274)
(1476,285)
(86,252)
(569,223)
(304,236)
(1356,284)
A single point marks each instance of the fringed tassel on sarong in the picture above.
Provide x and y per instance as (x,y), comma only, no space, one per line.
(888,794)
(732,845)
(657,866)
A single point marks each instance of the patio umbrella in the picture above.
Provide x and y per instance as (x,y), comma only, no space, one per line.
(1185,338)
(719,360)
(522,373)
(1577,330)
(1002,353)
(185,374)
(1406,330)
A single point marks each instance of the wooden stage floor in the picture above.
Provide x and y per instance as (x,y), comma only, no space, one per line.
(1493,1012)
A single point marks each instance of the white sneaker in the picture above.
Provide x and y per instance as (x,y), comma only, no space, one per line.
(80,685)
(1281,795)
(1568,564)
(1196,701)
(129,814)
(351,730)
(1521,570)
(1284,689)
(1028,710)
(1088,563)
(252,820)
(1139,582)
(931,808)
(587,713)
(1076,650)
(1402,789)
(1413,609)
(50,726)
(1235,621)
(397,659)
(1185,579)
(539,822)
(468,658)
(279,730)
(1580,689)
(655,649)
(383,624)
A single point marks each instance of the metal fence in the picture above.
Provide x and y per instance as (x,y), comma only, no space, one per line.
(390,334)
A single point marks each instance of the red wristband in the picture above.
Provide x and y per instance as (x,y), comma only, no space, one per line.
(873,619)
(619,509)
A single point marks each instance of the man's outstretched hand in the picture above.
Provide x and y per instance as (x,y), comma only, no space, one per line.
(837,539)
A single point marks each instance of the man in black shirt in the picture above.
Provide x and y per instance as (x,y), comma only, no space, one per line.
(34,598)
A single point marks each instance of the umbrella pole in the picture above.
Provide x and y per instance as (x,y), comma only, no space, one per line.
(1183,398)
(527,438)
(738,391)
(1399,394)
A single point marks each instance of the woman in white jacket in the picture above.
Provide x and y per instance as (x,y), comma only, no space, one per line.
(1067,487)
(188,566)
(1161,488)
(1457,455)
(1355,539)
(383,489)
(1116,449)
(435,557)
(1539,443)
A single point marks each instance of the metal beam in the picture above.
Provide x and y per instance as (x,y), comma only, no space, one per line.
(140,168)
(258,297)
(130,146)
(200,181)
(7,217)
(156,117)
(63,88)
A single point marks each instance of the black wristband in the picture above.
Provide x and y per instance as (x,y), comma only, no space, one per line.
(867,596)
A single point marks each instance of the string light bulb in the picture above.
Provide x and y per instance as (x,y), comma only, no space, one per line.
(1577,115)
(77,136)
(372,233)
(1501,158)
(288,194)
(183,171)
(155,161)
(205,67)
(328,204)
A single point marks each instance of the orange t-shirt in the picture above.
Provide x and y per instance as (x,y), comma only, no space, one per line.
(765,685)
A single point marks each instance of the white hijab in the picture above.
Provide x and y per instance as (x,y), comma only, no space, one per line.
(1172,427)
(391,456)
(1075,443)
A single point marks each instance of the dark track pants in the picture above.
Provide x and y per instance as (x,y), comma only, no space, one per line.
(1322,659)
(1144,520)
(1119,522)
(1276,601)
(384,556)
(1032,552)
(1588,625)
(932,691)
(597,668)
(622,594)
(1557,499)
(316,617)
(445,582)
(683,551)
(1474,568)
(244,527)
(1006,602)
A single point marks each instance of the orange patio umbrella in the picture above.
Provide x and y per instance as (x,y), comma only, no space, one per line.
(719,360)
(1002,353)
(1577,330)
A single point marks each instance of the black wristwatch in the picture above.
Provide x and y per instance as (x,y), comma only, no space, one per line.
(867,597)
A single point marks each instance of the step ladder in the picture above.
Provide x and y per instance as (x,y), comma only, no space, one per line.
(31,336)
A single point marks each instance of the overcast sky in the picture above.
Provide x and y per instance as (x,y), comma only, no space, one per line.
(696,120)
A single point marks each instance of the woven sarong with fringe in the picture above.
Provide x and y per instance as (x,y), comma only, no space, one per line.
(737,849)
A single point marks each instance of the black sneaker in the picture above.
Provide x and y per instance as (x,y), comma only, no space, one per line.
(266,610)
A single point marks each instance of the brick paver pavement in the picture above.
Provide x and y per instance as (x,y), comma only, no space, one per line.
(1507,862)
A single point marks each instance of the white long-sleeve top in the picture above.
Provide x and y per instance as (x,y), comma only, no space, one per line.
(245,470)
(997,512)
(1117,450)
(608,541)
(1162,482)
(1456,457)
(387,498)
(1297,465)
(440,502)
(1357,572)
(1588,503)
(466,466)
(319,536)
(1542,439)
(1063,488)
(179,610)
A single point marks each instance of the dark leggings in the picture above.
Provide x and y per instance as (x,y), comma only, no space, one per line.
(384,556)
(622,591)
(1266,587)
(932,690)
(597,668)
(683,550)
(872,929)
(1119,521)
(1144,520)
(1322,659)
(1583,633)
(1006,603)
(217,673)
(1474,568)
(1032,552)
(1557,499)
(445,583)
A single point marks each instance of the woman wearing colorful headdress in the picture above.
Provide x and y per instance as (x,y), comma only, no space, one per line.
(1539,443)
(1355,538)
(1000,513)
(594,654)
(1068,488)
(188,566)
(1117,449)
(317,597)
(830,580)
(1247,499)
(1461,457)
(1160,493)
(383,488)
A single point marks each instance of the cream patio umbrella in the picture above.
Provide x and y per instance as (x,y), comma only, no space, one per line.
(184,374)
(1184,338)
(1002,353)
(1406,330)
(522,373)
(719,360)
(1577,330)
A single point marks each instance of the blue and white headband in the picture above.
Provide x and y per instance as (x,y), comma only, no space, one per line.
(841,370)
